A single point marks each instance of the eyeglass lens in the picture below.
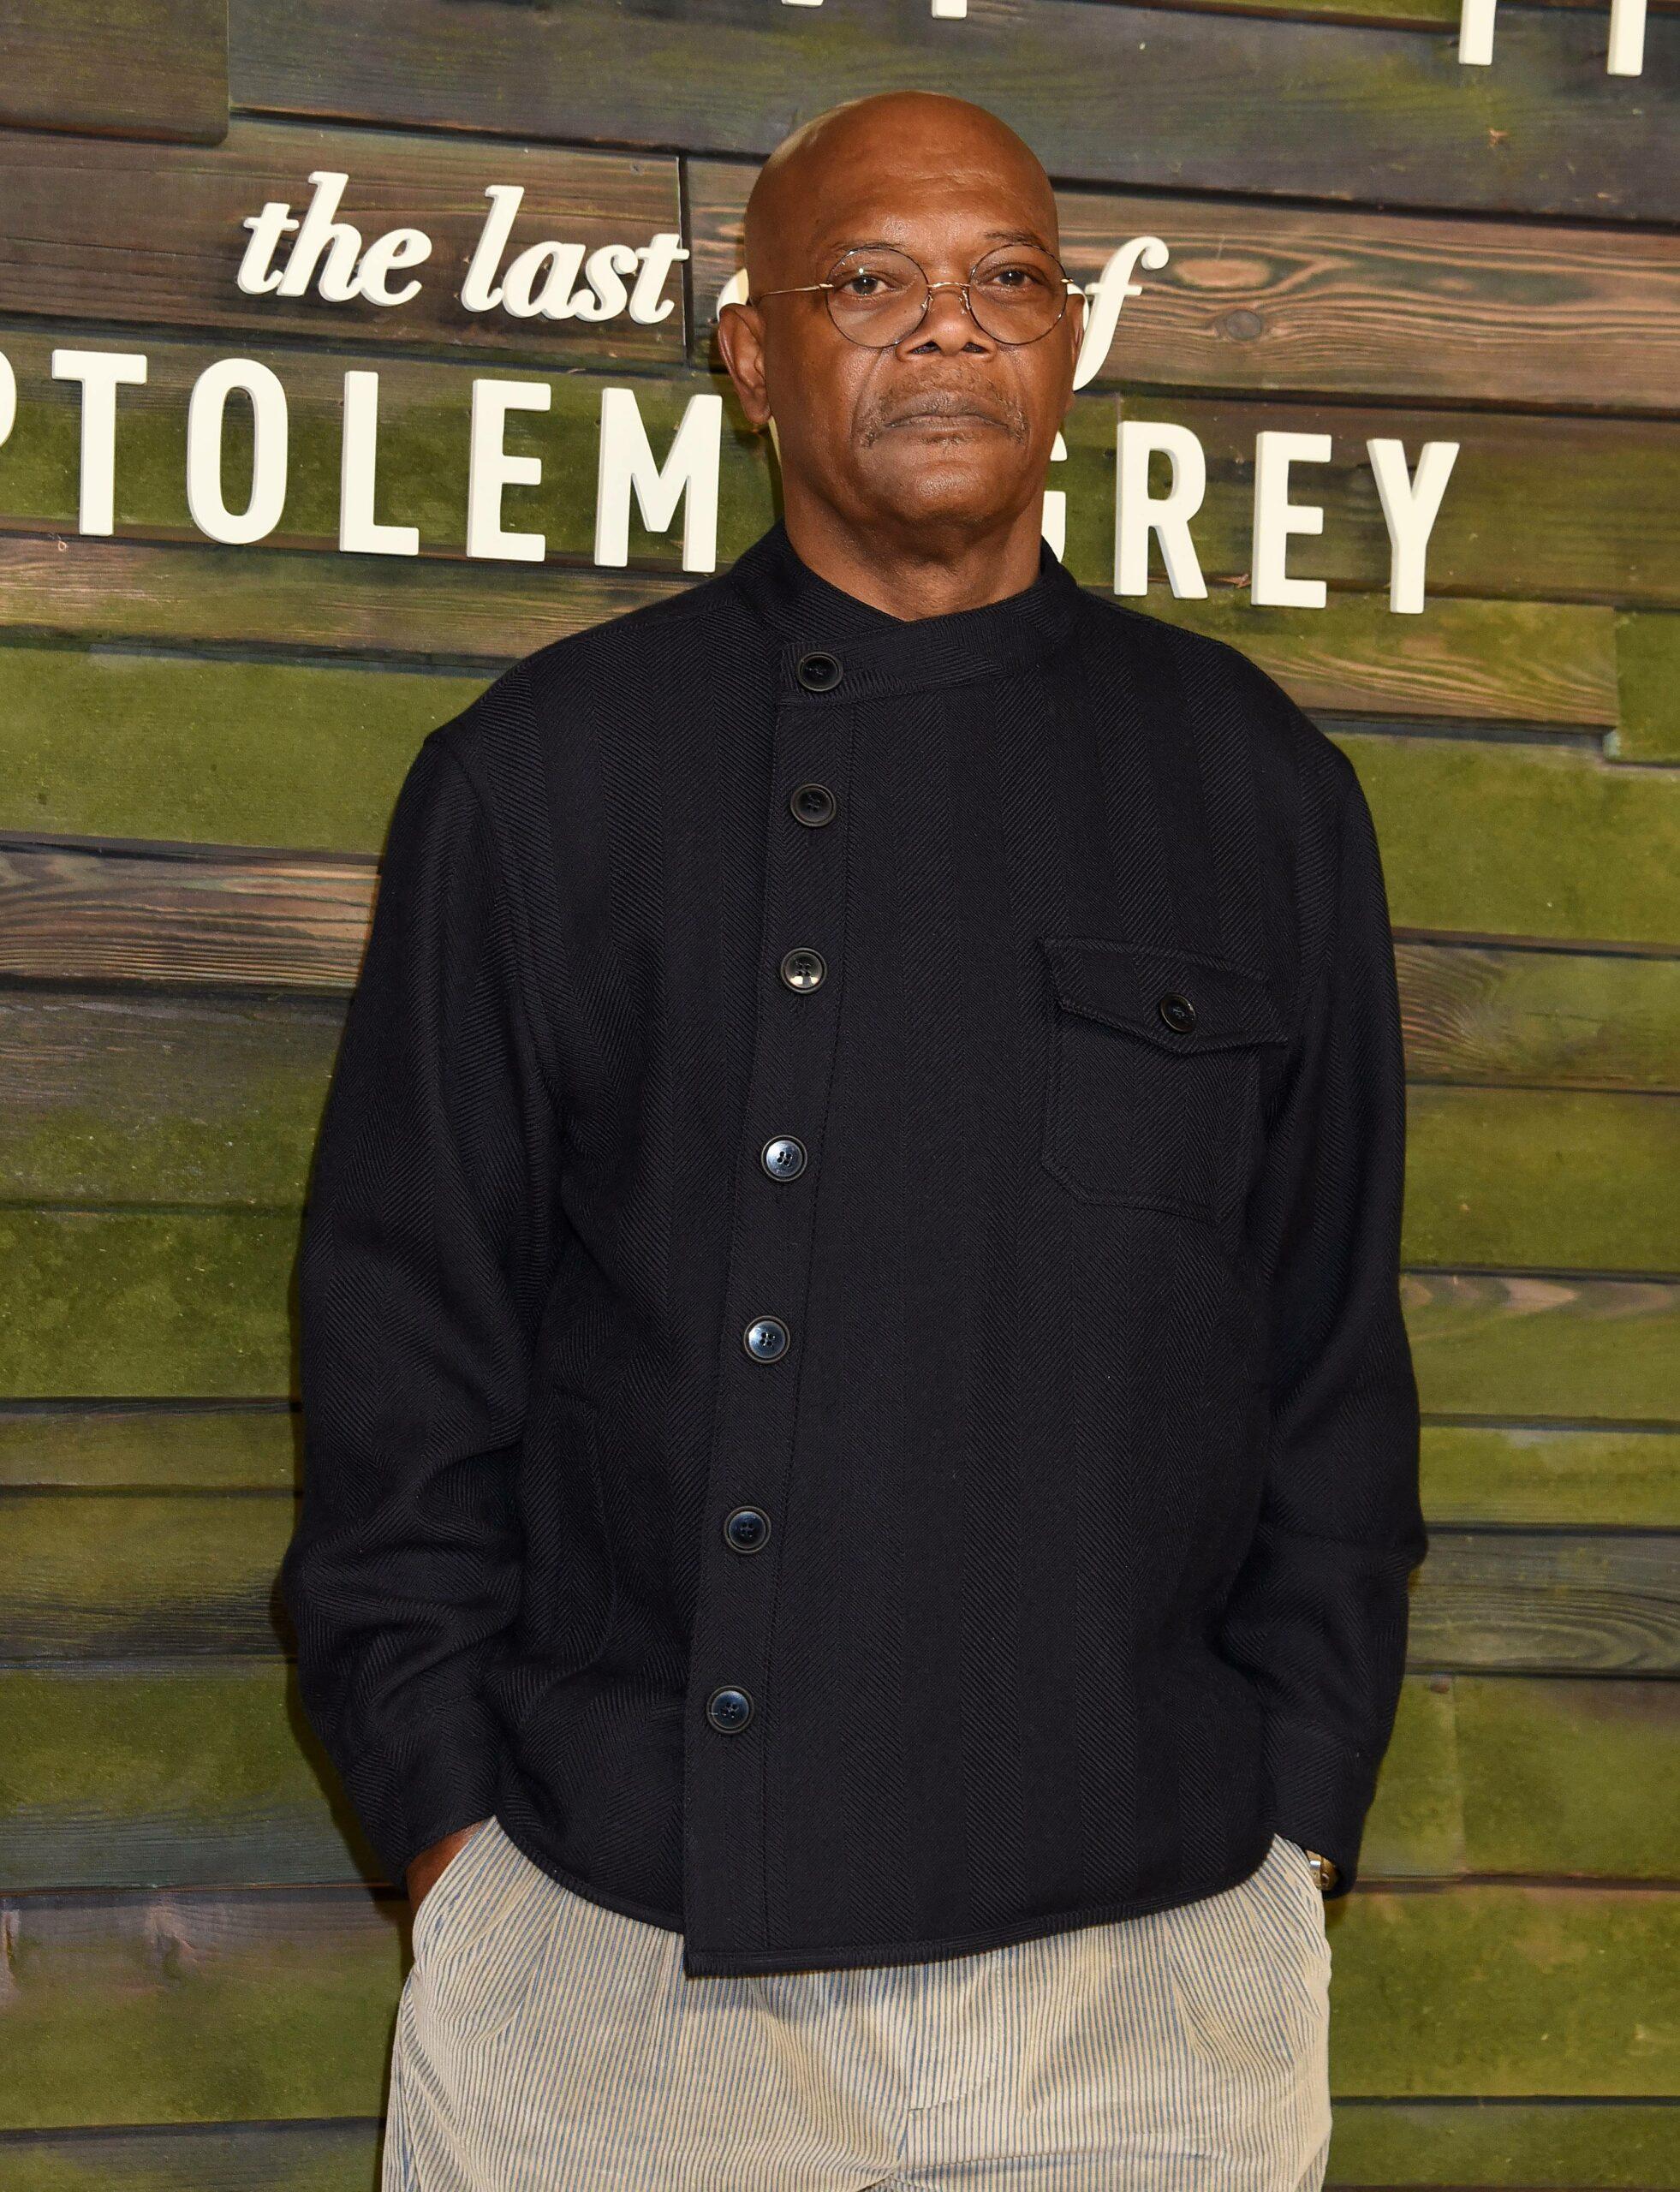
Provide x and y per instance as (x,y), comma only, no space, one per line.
(1016,295)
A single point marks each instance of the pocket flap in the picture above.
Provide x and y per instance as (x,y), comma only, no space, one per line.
(1126,985)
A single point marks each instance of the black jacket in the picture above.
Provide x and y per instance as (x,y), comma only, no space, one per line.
(854,1384)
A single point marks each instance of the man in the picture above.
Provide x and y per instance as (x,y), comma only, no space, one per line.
(861,1460)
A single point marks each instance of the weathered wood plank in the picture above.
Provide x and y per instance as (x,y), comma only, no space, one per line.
(215,1102)
(1495,839)
(1599,497)
(97,1575)
(1560,2145)
(163,1447)
(1492,1345)
(1523,662)
(204,1772)
(113,228)
(92,1576)
(1547,1602)
(181,916)
(1547,1017)
(199,2158)
(152,68)
(194,1304)
(1112,94)
(1508,1176)
(1471,2141)
(206,2007)
(1258,296)
(1648,658)
(147,1306)
(1534,1475)
(167,1774)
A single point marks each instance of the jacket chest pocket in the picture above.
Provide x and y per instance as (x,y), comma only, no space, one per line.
(1153,1092)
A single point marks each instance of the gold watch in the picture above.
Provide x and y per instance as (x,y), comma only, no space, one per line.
(1325,1869)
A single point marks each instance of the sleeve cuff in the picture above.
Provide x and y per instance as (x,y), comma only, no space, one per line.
(1321,1791)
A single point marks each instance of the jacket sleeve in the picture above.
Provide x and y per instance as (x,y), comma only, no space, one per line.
(1318,1614)
(427,1243)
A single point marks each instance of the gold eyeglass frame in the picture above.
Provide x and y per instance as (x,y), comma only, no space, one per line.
(1068,287)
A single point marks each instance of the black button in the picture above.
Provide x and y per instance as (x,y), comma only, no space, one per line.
(812,805)
(765,1338)
(729,1709)
(818,673)
(783,1157)
(1178,1012)
(802,968)
(746,1530)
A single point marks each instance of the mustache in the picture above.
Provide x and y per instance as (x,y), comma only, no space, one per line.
(950,403)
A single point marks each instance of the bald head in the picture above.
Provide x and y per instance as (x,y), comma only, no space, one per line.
(930,450)
(799,203)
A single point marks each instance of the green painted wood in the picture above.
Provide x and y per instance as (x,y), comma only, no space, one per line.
(188,2007)
(1565,509)
(147,1304)
(1546,1016)
(1519,1177)
(167,1774)
(148,68)
(428,609)
(204,1772)
(1508,839)
(101,1304)
(1257,296)
(1568,1777)
(210,2007)
(1573,508)
(96,1575)
(1234,102)
(1495,839)
(1527,662)
(209,2158)
(1535,1474)
(1648,658)
(1547,1602)
(1491,1345)
(216,1103)
(164,213)
(1558,2146)
(208,1100)
(184,915)
(155,1447)
(1626,1477)
(255,752)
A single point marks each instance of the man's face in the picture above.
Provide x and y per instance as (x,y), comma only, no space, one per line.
(948,426)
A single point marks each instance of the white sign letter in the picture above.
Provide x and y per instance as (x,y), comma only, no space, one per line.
(360,532)
(100,373)
(689,474)
(1276,517)
(1409,510)
(1136,514)
(206,411)
(490,469)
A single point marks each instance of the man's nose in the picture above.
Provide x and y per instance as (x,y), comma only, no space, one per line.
(948,320)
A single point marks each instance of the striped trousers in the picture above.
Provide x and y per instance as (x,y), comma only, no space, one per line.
(545,2043)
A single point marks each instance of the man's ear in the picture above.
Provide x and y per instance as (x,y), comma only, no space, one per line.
(740,337)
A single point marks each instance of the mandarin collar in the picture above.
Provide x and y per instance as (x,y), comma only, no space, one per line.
(879,653)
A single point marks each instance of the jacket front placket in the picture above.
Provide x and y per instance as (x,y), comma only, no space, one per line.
(730,1712)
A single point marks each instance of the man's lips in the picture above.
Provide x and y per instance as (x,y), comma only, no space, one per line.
(945,418)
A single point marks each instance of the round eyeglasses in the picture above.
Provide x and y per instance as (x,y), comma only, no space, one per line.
(877,297)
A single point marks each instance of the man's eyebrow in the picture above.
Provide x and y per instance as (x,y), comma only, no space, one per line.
(836,248)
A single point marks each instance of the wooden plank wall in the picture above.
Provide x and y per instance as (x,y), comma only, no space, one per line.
(198,746)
